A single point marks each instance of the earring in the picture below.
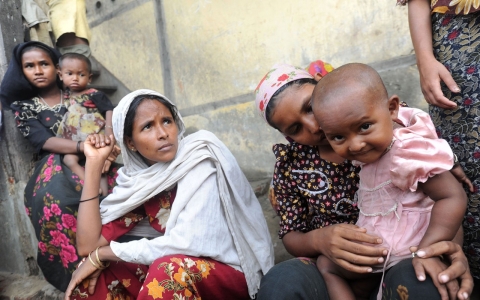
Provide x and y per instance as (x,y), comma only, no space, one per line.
(133,149)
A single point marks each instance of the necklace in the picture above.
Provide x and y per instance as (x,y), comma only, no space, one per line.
(59,105)
(389,146)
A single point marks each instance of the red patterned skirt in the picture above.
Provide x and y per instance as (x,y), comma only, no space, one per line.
(170,277)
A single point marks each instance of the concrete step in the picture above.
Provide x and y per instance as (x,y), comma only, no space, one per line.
(18,287)
(107,89)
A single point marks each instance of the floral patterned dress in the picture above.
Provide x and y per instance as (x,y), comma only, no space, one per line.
(456,44)
(85,115)
(309,192)
(171,277)
(52,193)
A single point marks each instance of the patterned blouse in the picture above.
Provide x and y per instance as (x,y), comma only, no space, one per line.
(157,210)
(309,192)
(37,121)
(453,7)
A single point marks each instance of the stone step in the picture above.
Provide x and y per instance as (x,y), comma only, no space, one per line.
(18,287)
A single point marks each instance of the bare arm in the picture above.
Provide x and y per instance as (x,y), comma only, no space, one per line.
(89,223)
(448,211)
(61,146)
(431,71)
(109,132)
(341,243)
(108,123)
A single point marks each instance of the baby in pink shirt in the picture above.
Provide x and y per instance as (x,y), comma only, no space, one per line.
(407,196)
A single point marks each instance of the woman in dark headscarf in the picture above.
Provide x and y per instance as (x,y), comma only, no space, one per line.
(31,89)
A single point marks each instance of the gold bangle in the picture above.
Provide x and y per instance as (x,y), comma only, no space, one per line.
(100,263)
(93,263)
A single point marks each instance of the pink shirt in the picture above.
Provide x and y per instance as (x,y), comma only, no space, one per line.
(391,204)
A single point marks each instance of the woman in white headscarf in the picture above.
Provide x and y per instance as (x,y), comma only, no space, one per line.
(206,236)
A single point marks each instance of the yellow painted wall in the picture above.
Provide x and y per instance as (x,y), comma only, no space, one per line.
(128,47)
(220,49)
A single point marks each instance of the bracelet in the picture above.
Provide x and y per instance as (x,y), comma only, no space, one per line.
(93,263)
(103,266)
(78,147)
(90,198)
(455,160)
(109,127)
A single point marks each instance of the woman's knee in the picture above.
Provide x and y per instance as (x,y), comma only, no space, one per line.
(296,278)
(402,281)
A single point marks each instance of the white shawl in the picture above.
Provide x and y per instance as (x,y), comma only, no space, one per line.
(241,210)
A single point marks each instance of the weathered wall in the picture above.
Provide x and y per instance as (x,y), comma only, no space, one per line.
(208,56)
(17,244)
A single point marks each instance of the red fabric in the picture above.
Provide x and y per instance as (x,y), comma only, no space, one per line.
(169,277)
(193,278)
(120,281)
(115,229)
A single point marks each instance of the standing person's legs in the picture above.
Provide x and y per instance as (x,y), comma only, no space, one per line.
(297,278)
(70,26)
(454,47)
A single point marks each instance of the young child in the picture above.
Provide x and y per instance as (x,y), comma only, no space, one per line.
(88,110)
(406,195)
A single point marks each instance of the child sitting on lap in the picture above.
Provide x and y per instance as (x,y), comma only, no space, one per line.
(406,195)
(88,111)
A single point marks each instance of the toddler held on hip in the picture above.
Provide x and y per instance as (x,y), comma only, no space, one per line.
(407,196)
(88,111)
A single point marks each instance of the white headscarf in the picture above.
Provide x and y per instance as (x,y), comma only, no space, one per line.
(137,183)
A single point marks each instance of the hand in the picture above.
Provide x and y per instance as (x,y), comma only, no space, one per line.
(106,166)
(458,268)
(114,154)
(111,158)
(342,244)
(433,266)
(458,172)
(85,270)
(432,72)
(98,146)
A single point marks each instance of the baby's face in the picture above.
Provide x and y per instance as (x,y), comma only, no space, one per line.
(357,126)
(75,74)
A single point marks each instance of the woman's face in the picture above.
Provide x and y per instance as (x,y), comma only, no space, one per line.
(39,69)
(293,116)
(154,132)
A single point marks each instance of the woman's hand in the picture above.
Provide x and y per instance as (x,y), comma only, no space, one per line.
(85,270)
(460,175)
(98,147)
(342,244)
(458,269)
(434,266)
(432,72)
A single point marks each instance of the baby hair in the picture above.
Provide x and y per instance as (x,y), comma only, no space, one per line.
(341,79)
(77,56)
